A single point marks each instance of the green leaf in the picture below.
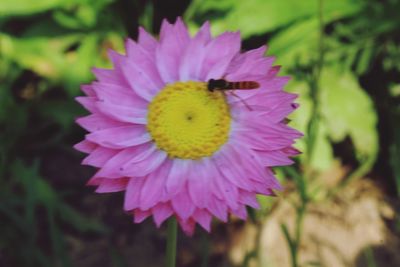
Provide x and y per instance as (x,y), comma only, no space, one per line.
(26,7)
(34,184)
(84,59)
(45,56)
(38,191)
(9,212)
(79,221)
(343,103)
(259,16)
(365,59)
(62,112)
(348,110)
(83,15)
(295,43)
(51,58)
(58,241)
(322,157)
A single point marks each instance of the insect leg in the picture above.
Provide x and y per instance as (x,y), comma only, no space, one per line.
(241,100)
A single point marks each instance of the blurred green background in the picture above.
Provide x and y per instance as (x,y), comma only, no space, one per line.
(341,202)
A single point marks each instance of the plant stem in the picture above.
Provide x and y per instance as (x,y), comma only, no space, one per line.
(205,250)
(294,239)
(321,45)
(171,242)
(313,125)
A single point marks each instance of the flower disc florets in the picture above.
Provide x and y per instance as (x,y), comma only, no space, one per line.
(188,121)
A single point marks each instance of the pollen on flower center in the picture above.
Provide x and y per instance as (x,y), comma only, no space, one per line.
(187,121)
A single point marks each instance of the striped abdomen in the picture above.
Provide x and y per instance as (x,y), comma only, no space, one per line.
(222,84)
(242,85)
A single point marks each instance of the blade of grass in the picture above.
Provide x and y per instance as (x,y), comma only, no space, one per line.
(292,245)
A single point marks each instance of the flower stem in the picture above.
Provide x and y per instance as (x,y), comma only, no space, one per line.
(171,242)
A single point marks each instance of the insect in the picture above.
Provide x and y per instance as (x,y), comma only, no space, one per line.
(224,85)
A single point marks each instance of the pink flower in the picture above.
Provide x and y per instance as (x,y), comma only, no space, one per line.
(177,148)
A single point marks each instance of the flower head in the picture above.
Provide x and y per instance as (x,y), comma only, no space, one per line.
(175,147)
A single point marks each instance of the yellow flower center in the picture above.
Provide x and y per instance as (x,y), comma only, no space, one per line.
(187,121)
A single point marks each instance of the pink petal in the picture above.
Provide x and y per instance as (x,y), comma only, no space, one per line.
(95,181)
(240,212)
(144,167)
(275,84)
(253,167)
(191,62)
(132,194)
(224,46)
(279,113)
(248,56)
(161,212)
(115,185)
(173,40)
(249,199)
(167,64)
(96,122)
(99,156)
(218,208)
(263,142)
(114,76)
(291,151)
(146,62)
(87,102)
(250,63)
(123,113)
(85,146)
(265,100)
(187,226)
(120,137)
(204,34)
(183,205)
(264,189)
(141,215)
(113,167)
(203,217)
(181,32)
(229,166)
(88,90)
(178,175)
(249,71)
(117,59)
(139,79)
(192,59)
(154,187)
(229,192)
(118,95)
(274,158)
(147,41)
(219,68)
(273,71)
(254,122)
(199,182)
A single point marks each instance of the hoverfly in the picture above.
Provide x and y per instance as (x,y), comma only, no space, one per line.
(224,85)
